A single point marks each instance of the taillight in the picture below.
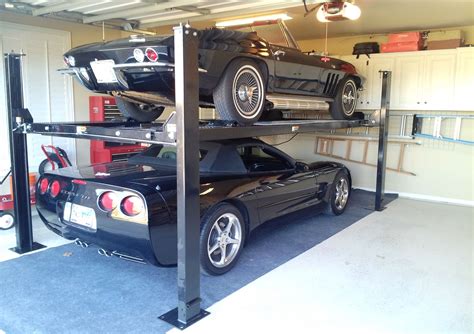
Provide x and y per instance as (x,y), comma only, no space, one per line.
(44,186)
(55,188)
(349,68)
(66,61)
(108,201)
(132,205)
(151,54)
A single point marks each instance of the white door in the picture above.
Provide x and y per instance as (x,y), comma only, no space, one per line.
(407,82)
(47,94)
(438,83)
(464,84)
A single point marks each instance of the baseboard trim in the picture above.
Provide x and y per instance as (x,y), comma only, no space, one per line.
(427,198)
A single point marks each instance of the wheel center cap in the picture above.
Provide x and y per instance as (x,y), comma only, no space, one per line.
(245,92)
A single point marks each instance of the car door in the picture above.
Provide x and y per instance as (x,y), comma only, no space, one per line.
(296,72)
(281,189)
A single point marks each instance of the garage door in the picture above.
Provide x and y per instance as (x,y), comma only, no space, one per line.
(47,94)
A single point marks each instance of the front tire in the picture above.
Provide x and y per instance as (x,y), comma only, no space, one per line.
(222,239)
(240,94)
(339,194)
(7,220)
(138,112)
(345,102)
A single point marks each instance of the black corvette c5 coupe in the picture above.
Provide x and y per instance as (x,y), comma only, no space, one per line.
(129,208)
(242,75)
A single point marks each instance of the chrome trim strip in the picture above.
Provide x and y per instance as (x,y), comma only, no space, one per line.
(149,65)
(298,102)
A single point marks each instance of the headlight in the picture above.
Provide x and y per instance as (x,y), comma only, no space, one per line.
(71,61)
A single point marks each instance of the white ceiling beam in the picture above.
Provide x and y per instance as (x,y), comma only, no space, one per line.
(255,7)
(137,11)
(113,6)
(59,7)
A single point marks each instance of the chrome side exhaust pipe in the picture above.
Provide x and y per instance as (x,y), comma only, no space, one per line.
(298,102)
(81,243)
(104,252)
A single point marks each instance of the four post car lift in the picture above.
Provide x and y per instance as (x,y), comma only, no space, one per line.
(181,129)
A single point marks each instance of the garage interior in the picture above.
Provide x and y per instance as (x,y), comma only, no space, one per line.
(405,269)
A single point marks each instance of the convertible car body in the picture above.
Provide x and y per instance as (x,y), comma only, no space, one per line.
(242,75)
(129,209)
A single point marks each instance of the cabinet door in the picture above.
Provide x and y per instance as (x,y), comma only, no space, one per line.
(439,76)
(374,79)
(407,82)
(464,82)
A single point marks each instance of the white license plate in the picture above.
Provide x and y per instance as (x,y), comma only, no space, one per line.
(104,71)
(81,215)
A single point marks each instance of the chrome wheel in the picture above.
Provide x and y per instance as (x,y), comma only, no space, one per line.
(224,241)
(248,89)
(342,193)
(349,98)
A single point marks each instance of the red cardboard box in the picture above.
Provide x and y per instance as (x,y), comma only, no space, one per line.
(400,47)
(403,37)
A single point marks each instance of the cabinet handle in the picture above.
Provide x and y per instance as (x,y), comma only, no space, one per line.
(426,102)
(367,102)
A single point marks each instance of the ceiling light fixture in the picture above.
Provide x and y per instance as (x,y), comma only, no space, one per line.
(251,20)
(338,11)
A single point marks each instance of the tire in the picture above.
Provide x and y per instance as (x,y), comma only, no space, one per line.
(345,102)
(7,220)
(339,194)
(240,94)
(138,112)
(212,242)
(46,165)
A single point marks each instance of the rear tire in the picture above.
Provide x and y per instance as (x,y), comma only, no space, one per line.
(222,239)
(240,94)
(345,102)
(7,220)
(138,112)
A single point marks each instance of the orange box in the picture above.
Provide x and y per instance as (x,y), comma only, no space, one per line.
(402,37)
(400,47)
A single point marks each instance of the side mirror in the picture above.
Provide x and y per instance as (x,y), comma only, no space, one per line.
(301,166)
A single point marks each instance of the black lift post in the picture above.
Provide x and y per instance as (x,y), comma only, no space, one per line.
(187,132)
(17,115)
(383,134)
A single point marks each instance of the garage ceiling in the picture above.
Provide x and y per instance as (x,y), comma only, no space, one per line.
(377,16)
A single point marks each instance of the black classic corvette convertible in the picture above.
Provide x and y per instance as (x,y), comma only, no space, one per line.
(128,209)
(242,75)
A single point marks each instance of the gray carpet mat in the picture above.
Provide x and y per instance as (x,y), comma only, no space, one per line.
(69,289)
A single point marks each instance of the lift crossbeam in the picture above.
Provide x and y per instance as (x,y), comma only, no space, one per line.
(165,133)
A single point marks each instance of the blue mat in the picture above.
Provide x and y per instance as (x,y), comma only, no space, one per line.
(73,290)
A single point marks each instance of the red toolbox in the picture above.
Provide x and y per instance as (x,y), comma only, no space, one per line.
(400,47)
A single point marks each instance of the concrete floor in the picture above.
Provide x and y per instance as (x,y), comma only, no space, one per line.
(40,232)
(408,269)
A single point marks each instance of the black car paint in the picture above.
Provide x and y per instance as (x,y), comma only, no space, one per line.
(260,196)
(290,72)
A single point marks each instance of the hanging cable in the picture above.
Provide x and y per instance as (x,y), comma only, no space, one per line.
(286,141)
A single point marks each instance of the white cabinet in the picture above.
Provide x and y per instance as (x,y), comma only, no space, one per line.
(464,82)
(423,80)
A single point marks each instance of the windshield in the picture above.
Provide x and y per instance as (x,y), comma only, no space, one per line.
(274,33)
